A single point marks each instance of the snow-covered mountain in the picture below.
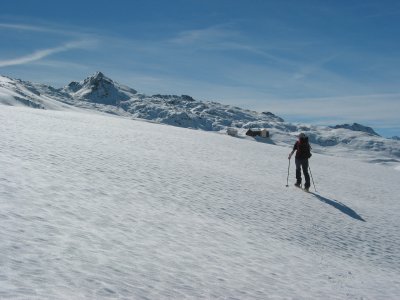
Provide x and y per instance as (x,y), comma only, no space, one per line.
(357,127)
(101,93)
(94,206)
(99,89)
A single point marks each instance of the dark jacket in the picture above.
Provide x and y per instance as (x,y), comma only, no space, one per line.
(303,149)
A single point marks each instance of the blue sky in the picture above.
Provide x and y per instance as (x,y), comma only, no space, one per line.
(319,62)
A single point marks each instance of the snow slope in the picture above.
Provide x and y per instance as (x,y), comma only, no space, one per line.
(102,207)
(100,93)
(16,92)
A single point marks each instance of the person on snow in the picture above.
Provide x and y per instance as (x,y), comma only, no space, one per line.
(303,153)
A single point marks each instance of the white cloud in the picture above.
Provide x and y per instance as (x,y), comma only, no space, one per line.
(40,54)
(204,36)
(25,27)
(81,41)
(46,28)
(222,38)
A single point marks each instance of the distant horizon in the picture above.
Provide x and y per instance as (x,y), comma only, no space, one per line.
(283,116)
(321,63)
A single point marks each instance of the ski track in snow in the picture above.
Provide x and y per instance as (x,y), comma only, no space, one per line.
(95,207)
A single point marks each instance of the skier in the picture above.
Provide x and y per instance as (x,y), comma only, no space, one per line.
(303,153)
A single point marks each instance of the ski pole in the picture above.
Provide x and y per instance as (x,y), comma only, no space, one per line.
(312,178)
(287,180)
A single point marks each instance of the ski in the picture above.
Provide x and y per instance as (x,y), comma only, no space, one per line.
(303,189)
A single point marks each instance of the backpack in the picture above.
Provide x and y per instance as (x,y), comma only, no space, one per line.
(303,148)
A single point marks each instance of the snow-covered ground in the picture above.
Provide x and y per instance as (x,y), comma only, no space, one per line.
(100,207)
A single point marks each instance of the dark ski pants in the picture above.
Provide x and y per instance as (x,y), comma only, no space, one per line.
(302,164)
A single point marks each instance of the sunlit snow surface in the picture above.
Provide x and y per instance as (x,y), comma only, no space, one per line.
(98,207)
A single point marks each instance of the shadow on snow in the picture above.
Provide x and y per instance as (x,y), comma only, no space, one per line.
(340,206)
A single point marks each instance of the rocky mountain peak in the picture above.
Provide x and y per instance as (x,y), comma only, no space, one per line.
(98,88)
(357,127)
(98,77)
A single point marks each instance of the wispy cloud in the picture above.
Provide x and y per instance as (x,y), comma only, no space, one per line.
(45,28)
(212,38)
(25,27)
(80,39)
(40,54)
(204,36)
(312,68)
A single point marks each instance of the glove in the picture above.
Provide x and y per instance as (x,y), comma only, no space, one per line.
(290,156)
